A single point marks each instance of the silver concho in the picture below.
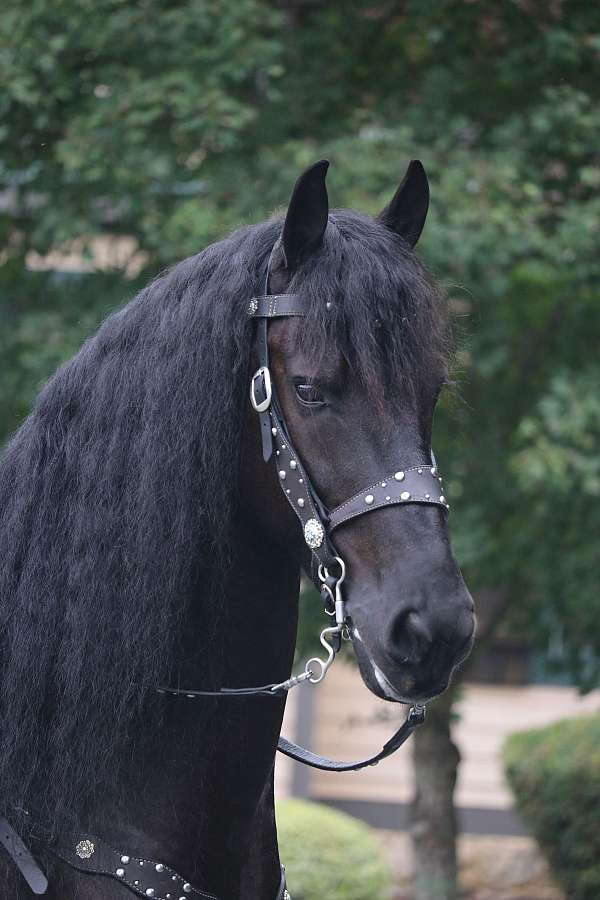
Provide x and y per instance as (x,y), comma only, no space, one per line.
(85,849)
(313,534)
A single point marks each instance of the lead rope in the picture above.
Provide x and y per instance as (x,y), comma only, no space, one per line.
(315,668)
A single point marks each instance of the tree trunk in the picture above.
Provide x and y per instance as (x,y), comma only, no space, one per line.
(433,820)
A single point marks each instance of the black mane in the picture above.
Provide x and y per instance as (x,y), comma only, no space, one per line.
(116,493)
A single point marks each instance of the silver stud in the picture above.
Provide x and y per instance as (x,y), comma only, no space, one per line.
(427,496)
(388,498)
(442,498)
(293,464)
(120,873)
(399,476)
(288,491)
(440,479)
(384,484)
(300,502)
(405,495)
(136,883)
(149,892)
(433,470)
(420,470)
(282,474)
(301,481)
(283,446)
(124,860)
(173,877)
(141,862)
(278,453)
(182,898)
(187,888)
(159,867)
(328,305)
(85,849)
(369,499)
(273,431)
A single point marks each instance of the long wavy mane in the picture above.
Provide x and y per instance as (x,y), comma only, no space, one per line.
(116,494)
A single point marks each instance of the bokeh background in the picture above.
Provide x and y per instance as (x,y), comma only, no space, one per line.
(134,133)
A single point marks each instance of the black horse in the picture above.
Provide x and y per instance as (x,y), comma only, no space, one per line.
(144,541)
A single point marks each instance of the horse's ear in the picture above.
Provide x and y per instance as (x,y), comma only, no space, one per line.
(407,211)
(306,218)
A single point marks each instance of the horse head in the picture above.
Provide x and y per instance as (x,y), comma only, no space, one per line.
(357,356)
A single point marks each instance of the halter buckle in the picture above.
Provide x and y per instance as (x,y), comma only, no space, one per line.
(263,376)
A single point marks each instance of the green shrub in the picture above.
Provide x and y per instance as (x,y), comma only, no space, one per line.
(555,775)
(329,854)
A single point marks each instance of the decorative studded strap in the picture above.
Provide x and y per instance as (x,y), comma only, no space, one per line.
(144,877)
(417,484)
(299,491)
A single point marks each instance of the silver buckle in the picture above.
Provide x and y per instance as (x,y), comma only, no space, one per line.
(262,405)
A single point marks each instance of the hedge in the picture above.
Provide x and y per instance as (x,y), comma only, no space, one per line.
(555,775)
(329,854)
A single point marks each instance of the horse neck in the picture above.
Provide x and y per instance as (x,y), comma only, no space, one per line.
(202,797)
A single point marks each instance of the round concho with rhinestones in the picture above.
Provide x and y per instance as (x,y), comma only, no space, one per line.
(85,849)
(313,533)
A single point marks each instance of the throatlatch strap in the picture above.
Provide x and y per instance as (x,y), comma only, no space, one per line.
(415,717)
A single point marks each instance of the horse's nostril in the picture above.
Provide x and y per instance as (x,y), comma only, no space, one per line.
(409,639)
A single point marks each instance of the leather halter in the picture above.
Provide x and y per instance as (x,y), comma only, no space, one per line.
(407,485)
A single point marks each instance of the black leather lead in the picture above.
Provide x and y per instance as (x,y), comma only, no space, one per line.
(415,717)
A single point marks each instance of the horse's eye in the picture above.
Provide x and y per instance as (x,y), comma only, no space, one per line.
(309,395)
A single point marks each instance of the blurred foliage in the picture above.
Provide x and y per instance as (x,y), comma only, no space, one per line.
(312,840)
(555,775)
(173,123)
